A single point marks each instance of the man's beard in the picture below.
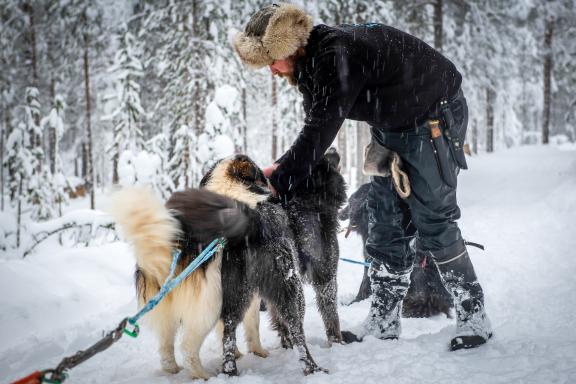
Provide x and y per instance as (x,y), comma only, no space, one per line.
(288,76)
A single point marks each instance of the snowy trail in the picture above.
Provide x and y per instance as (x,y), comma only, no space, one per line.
(519,203)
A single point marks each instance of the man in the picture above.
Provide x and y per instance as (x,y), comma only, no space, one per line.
(400,86)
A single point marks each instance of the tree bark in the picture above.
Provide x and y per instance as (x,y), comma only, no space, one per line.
(19,213)
(2,132)
(274,122)
(29,9)
(84,156)
(474,136)
(115,159)
(548,36)
(489,120)
(52,133)
(90,161)
(187,167)
(438,24)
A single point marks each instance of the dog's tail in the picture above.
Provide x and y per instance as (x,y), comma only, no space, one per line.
(207,215)
(149,225)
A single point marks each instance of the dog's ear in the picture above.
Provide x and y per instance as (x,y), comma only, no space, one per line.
(333,157)
(208,175)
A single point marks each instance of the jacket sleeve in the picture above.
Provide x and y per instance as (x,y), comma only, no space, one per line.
(337,82)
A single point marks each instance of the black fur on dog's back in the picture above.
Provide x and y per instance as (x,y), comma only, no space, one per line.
(315,203)
(206,215)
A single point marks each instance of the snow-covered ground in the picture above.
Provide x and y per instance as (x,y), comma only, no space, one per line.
(520,203)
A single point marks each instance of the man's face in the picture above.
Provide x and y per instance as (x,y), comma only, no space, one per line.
(282,67)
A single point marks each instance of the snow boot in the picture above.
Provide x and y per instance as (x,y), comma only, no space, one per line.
(388,291)
(472,324)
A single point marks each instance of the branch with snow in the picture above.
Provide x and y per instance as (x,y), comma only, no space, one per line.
(86,225)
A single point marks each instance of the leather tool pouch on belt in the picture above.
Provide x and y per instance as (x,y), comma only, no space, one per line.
(455,134)
(448,152)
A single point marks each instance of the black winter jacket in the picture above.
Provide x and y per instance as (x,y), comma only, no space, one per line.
(368,72)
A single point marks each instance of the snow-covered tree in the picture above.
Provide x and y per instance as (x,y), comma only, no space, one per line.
(39,188)
(19,161)
(180,161)
(54,123)
(162,183)
(223,125)
(128,113)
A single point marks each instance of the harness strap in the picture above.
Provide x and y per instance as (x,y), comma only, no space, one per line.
(452,259)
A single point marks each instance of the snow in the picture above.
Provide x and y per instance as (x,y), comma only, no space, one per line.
(519,203)
(226,97)
(138,169)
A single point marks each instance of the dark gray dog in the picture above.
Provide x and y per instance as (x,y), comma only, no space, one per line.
(313,214)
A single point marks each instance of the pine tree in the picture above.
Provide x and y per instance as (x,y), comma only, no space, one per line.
(54,123)
(129,112)
(163,184)
(223,117)
(179,165)
(38,190)
(84,23)
(20,163)
(187,49)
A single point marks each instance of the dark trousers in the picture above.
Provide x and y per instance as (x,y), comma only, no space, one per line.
(431,211)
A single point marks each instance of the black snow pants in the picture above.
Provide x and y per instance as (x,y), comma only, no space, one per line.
(431,211)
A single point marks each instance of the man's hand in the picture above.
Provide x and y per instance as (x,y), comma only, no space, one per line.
(267,173)
(268,170)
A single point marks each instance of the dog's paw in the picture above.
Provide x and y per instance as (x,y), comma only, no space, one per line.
(230,369)
(335,339)
(313,368)
(349,337)
(199,374)
(170,366)
(237,353)
(259,351)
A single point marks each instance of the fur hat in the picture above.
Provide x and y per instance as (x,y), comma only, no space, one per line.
(273,33)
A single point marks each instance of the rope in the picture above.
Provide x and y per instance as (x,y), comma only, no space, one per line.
(59,374)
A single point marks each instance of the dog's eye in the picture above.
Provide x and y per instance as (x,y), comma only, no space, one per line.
(249,178)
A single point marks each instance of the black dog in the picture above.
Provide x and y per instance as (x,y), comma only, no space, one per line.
(313,214)
(426,295)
